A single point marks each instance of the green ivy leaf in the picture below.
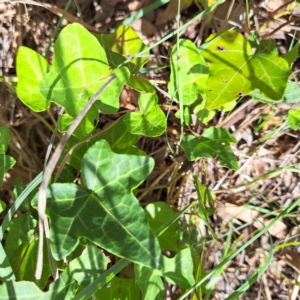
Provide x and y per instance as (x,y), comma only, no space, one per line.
(85,127)
(105,210)
(20,230)
(293,118)
(4,139)
(291,95)
(158,213)
(213,143)
(140,84)
(149,283)
(27,254)
(150,121)
(120,45)
(202,113)
(80,69)
(120,289)
(234,70)
(86,268)
(31,68)
(119,138)
(179,269)
(58,290)
(188,73)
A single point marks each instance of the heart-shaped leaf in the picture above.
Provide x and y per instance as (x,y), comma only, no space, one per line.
(234,70)
(213,143)
(150,121)
(105,210)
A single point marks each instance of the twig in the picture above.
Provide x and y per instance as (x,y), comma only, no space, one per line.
(43,221)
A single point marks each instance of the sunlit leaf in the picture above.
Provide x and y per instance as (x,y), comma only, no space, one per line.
(179,269)
(188,73)
(158,213)
(234,70)
(122,44)
(105,210)
(31,68)
(150,121)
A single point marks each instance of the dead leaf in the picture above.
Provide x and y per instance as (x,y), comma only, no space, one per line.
(172,9)
(230,211)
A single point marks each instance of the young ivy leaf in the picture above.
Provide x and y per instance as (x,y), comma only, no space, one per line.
(150,121)
(188,73)
(104,210)
(234,70)
(80,68)
(213,143)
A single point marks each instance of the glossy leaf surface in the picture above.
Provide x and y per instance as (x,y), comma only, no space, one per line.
(189,73)
(105,210)
(150,120)
(234,71)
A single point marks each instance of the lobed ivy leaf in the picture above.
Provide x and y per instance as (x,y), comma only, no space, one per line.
(80,68)
(104,211)
(120,45)
(119,138)
(234,70)
(150,121)
(31,68)
(213,143)
(189,73)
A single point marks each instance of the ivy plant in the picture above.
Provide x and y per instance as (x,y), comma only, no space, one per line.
(98,220)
